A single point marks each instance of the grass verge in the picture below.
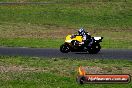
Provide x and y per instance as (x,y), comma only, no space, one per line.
(31,72)
(55,43)
(47,25)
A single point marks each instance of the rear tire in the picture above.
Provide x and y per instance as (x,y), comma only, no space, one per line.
(64,48)
(94,49)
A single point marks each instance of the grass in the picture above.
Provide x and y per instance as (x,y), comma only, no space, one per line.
(32,43)
(30,72)
(39,25)
(55,43)
(28,35)
(88,15)
(66,1)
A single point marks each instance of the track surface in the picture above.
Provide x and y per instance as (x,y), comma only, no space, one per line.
(54,53)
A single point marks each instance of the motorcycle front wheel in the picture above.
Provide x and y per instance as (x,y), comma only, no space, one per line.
(64,48)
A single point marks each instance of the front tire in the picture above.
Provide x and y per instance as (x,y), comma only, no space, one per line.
(64,48)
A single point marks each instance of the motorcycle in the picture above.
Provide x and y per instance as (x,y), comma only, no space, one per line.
(73,44)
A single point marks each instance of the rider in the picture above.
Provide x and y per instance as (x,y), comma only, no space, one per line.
(86,37)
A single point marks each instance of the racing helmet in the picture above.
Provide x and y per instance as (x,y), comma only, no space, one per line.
(81,31)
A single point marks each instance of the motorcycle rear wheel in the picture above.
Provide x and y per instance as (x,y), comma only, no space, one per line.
(94,49)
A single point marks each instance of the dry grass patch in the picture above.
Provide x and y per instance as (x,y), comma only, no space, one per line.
(22,69)
(32,31)
(14,30)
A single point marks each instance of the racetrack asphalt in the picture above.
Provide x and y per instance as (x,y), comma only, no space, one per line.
(55,53)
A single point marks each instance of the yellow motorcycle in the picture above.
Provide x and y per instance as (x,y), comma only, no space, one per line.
(73,44)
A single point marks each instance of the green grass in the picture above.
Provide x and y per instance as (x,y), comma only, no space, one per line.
(28,35)
(82,1)
(32,72)
(32,43)
(47,25)
(66,1)
(88,15)
(55,43)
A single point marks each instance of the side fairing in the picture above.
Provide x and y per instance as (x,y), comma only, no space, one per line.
(69,39)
